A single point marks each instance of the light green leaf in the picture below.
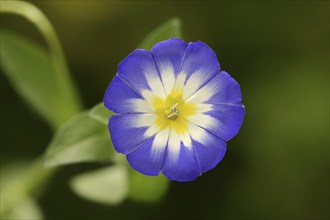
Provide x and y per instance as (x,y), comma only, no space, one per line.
(100,113)
(81,139)
(169,29)
(28,209)
(147,188)
(31,73)
(108,185)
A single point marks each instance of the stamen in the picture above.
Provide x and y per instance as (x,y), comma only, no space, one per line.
(172,113)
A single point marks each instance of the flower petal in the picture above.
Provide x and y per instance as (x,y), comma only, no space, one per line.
(181,162)
(209,148)
(200,64)
(148,157)
(210,152)
(168,56)
(120,98)
(139,71)
(128,131)
(221,89)
(224,121)
(231,118)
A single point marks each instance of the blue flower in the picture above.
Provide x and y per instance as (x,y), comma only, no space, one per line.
(176,109)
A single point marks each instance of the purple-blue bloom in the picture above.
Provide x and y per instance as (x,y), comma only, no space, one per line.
(175,109)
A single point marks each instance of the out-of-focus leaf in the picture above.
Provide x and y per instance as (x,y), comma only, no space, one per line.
(81,139)
(144,188)
(28,209)
(108,185)
(100,113)
(169,29)
(31,73)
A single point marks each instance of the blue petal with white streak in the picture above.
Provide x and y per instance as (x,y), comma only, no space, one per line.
(120,98)
(126,133)
(148,157)
(210,153)
(168,56)
(184,167)
(139,71)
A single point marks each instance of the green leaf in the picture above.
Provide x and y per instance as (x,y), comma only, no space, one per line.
(100,113)
(147,188)
(108,185)
(31,73)
(114,184)
(81,139)
(169,29)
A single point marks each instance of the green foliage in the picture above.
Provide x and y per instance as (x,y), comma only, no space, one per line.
(79,140)
(67,99)
(43,81)
(169,29)
(32,75)
(107,185)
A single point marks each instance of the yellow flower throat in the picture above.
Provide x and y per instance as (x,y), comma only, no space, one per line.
(173,111)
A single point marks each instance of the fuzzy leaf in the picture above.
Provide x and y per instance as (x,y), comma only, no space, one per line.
(107,185)
(81,139)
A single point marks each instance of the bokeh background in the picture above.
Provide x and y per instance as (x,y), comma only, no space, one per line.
(277,167)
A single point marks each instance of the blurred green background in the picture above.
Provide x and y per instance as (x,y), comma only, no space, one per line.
(277,167)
